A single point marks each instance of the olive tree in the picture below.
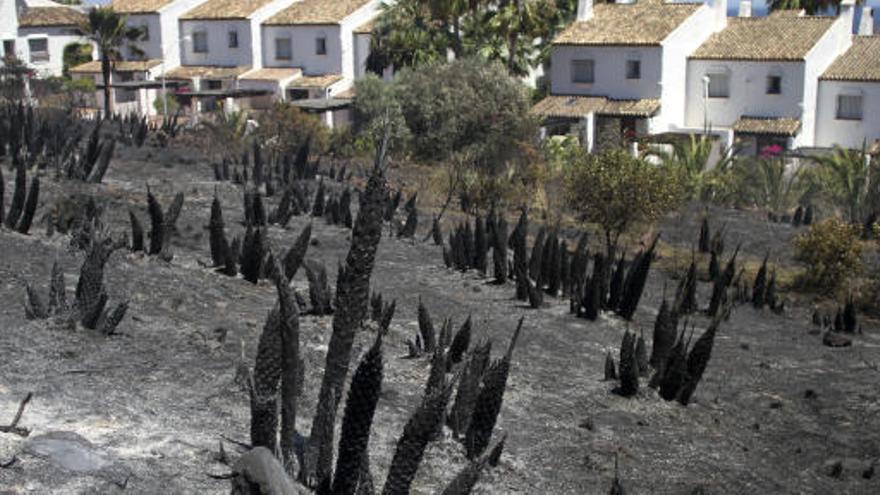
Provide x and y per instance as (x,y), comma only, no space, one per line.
(471,113)
(617,191)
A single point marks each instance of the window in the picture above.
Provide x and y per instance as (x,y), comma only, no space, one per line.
(297,94)
(200,42)
(719,86)
(849,107)
(283,50)
(9,48)
(774,85)
(582,71)
(213,84)
(145,32)
(39,48)
(321,46)
(233,39)
(633,69)
(122,95)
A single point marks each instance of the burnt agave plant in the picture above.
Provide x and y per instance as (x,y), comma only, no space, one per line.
(357,419)
(489,400)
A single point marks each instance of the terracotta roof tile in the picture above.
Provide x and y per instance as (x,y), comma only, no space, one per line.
(767,125)
(271,74)
(324,81)
(139,6)
(631,108)
(94,66)
(316,12)
(366,28)
(771,38)
(645,22)
(579,106)
(224,9)
(860,63)
(568,106)
(205,72)
(51,17)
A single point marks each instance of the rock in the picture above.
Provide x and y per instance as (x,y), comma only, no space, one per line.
(68,450)
(258,472)
(833,468)
(836,467)
(834,339)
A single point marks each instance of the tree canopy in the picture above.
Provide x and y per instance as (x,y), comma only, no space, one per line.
(617,191)
(516,33)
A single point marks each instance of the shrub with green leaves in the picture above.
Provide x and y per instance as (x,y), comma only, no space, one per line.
(617,191)
(832,253)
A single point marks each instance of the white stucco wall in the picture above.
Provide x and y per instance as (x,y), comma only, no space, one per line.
(164,28)
(609,71)
(8,20)
(152,47)
(847,133)
(342,57)
(748,80)
(302,40)
(833,43)
(686,38)
(218,52)
(348,25)
(58,37)
(361,53)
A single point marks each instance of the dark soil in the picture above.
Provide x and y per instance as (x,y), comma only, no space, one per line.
(777,412)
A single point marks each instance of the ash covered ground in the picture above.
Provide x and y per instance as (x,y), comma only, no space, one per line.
(776,412)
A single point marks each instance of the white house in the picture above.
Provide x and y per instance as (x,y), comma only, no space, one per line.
(848,110)
(220,41)
(622,66)
(328,42)
(137,79)
(158,20)
(37,31)
(758,78)
(134,84)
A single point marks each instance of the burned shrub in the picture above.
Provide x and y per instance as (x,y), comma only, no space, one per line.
(629,367)
(320,295)
(489,400)
(426,328)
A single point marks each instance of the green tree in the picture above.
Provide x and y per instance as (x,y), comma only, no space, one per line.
(472,112)
(832,253)
(376,105)
(848,176)
(510,33)
(811,7)
(109,32)
(170,104)
(515,32)
(406,35)
(617,191)
(75,54)
(284,128)
(690,160)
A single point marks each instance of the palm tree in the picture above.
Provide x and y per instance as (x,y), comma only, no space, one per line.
(406,35)
(689,159)
(109,32)
(848,174)
(811,7)
(777,185)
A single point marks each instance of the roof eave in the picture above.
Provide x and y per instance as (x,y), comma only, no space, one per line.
(746,59)
(571,43)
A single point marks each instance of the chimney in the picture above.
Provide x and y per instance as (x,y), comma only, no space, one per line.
(866,23)
(745,8)
(585,10)
(847,14)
